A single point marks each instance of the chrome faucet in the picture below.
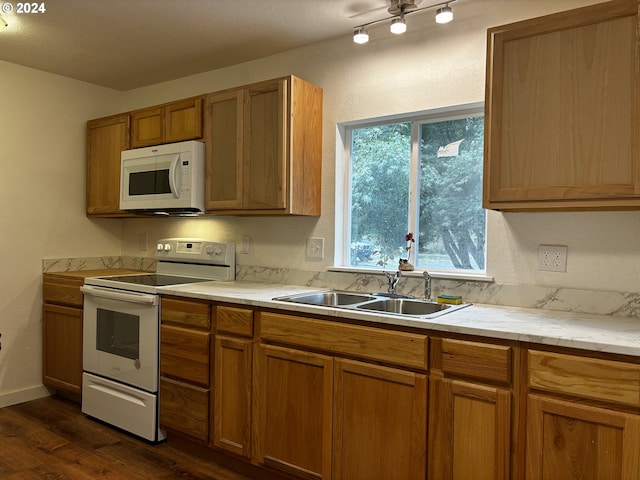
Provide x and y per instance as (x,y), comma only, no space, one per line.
(427,286)
(393,279)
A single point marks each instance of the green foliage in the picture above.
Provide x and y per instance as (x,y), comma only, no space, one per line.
(451,220)
(451,192)
(380,188)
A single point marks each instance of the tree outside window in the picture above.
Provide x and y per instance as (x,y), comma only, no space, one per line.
(422,176)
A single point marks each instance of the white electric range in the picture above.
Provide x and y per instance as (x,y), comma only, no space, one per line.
(121,332)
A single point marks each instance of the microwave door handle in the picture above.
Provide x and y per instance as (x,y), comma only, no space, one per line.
(109,293)
(175,177)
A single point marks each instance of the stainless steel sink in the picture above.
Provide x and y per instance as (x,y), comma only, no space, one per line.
(404,306)
(373,302)
(331,298)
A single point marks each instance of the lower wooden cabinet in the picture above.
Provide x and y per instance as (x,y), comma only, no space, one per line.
(569,440)
(292,407)
(62,347)
(568,436)
(318,415)
(233,372)
(315,398)
(379,423)
(470,410)
(185,367)
(469,431)
(232,397)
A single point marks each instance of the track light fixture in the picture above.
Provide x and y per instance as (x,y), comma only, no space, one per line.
(399,9)
(398,25)
(444,14)
(360,35)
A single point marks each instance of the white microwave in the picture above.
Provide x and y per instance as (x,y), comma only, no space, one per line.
(163,179)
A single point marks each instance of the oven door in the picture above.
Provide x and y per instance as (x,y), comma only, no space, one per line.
(121,336)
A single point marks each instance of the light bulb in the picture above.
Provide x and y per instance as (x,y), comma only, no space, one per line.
(444,15)
(398,25)
(360,35)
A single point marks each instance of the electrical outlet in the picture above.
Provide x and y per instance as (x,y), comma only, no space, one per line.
(315,248)
(552,258)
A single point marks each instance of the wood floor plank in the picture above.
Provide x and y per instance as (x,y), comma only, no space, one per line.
(50,438)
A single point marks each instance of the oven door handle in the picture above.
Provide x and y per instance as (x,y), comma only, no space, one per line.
(132,297)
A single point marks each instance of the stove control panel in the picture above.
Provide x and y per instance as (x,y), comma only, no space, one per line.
(196,250)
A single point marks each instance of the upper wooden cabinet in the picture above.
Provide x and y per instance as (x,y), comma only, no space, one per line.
(106,138)
(561,122)
(168,123)
(264,149)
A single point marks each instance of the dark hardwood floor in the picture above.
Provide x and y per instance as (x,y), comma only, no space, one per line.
(50,438)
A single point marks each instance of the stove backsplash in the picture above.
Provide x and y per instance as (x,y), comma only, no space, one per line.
(625,304)
(51,265)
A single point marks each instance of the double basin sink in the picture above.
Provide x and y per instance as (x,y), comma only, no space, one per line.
(402,305)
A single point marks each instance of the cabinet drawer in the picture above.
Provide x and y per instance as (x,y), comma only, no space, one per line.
(184,408)
(62,290)
(591,378)
(234,321)
(185,354)
(475,360)
(184,312)
(398,348)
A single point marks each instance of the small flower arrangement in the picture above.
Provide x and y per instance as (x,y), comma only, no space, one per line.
(405,264)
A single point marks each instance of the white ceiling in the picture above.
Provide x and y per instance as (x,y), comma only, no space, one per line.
(125,44)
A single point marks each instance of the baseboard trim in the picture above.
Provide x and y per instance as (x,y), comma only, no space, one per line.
(21,396)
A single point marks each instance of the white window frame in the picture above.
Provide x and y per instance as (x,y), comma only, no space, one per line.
(343,182)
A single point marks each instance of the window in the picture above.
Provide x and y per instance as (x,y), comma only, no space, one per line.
(419,174)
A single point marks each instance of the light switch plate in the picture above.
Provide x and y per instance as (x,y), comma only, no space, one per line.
(245,247)
(315,248)
(552,258)
(143,241)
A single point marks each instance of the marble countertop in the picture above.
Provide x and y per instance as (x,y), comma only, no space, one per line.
(600,333)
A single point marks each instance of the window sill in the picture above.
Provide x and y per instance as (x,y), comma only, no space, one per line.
(440,274)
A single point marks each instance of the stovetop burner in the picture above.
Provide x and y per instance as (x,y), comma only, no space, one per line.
(156,280)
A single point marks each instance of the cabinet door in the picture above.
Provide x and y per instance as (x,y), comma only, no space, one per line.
(147,127)
(232,395)
(223,144)
(292,411)
(469,431)
(265,145)
(183,120)
(562,111)
(568,440)
(380,423)
(62,348)
(106,138)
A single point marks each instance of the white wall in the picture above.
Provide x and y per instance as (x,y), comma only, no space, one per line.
(42,195)
(431,66)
